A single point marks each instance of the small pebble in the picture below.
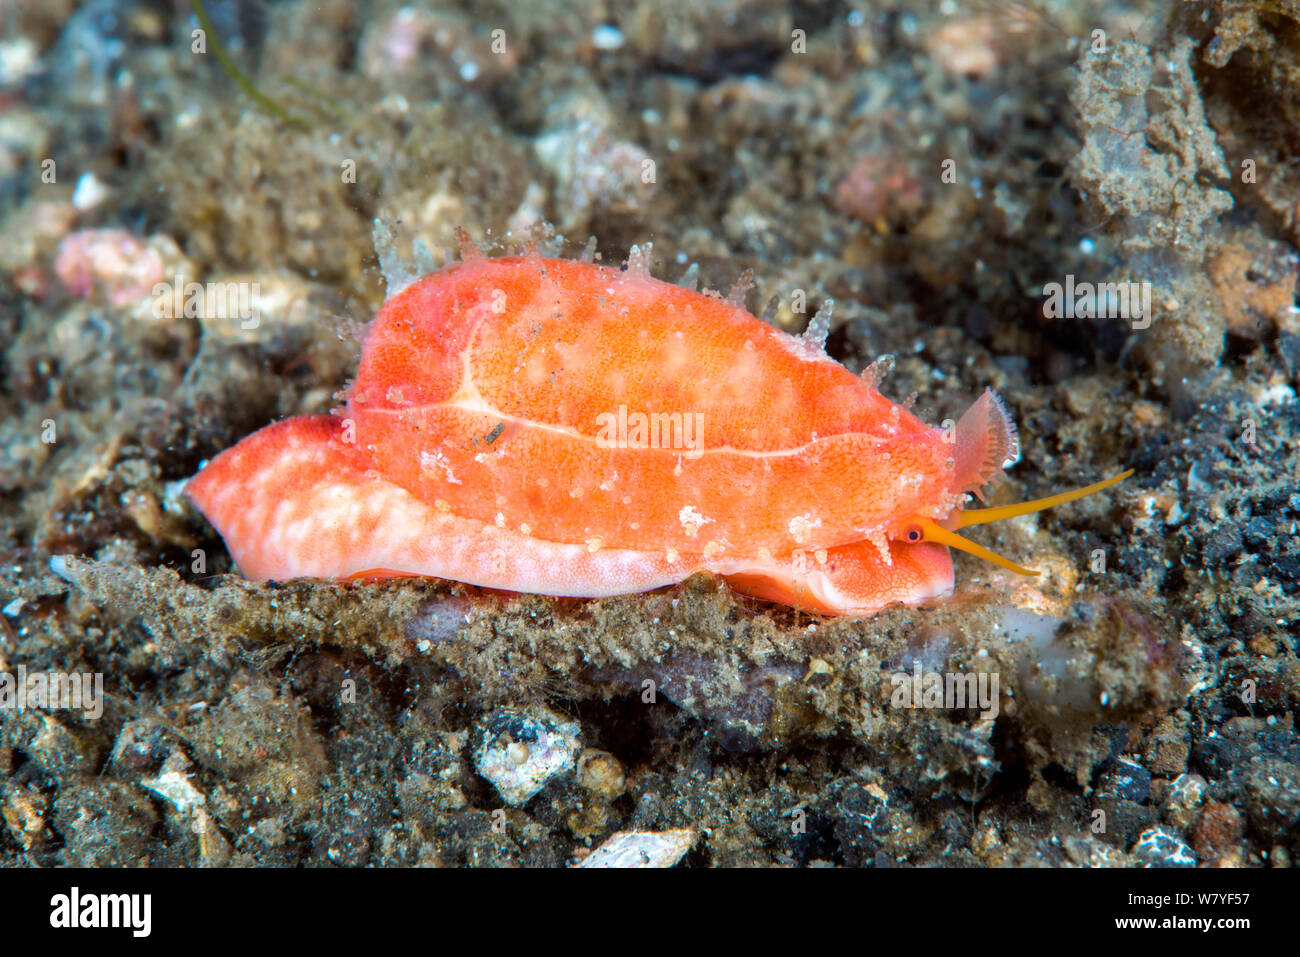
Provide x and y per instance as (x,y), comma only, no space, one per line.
(520,752)
(1127,780)
(642,849)
(607,37)
(1161,847)
(1185,797)
(1219,831)
(602,774)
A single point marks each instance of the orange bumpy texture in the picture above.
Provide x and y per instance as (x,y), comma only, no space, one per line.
(541,406)
(486,385)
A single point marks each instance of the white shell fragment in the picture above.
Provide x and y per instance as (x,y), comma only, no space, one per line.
(176,788)
(642,849)
(522,751)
